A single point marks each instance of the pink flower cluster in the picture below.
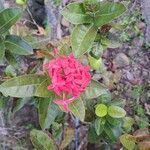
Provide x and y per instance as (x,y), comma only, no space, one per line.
(69,77)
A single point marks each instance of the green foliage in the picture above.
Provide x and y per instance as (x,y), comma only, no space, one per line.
(78,13)
(99,125)
(128,141)
(94,90)
(78,109)
(22,86)
(95,64)
(82,39)
(116,112)
(75,13)
(21,2)
(9,17)
(130,26)
(47,111)
(2,50)
(19,104)
(113,132)
(42,90)
(128,123)
(17,45)
(42,141)
(11,59)
(101,110)
(107,123)
(108,12)
(11,44)
(89,16)
(10,71)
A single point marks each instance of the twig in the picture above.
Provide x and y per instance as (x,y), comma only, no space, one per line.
(28,10)
(26,20)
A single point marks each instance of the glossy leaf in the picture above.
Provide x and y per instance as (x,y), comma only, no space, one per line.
(105,98)
(101,110)
(48,111)
(42,90)
(94,90)
(99,125)
(120,103)
(17,45)
(2,50)
(10,71)
(91,6)
(22,86)
(21,2)
(114,121)
(9,17)
(78,109)
(11,59)
(75,14)
(128,123)
(95,64)
(116,112)
(41,140)
(92,136)
(82,39)
(128,141)
(19,104)
(108,12)
(112,132)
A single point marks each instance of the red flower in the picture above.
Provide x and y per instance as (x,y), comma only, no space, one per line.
(68,76)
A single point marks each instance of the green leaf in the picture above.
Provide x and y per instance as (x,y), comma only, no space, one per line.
(11,59)
(128,123)
(114,121)
(91,6)
(94,90)
(92,136)
(104,98)
(10,71)
(41,140)
(17,45)
(95,64)
(101,110)
(78,109)
(42,90)
(22,86)
(9,17)
(108,12)
(21,2)
(99,125)
(82,39)
(48,111)
(75,14)
(128,141)
(120,103)
(2,50)
(116,112)
(19,104)
(112,132)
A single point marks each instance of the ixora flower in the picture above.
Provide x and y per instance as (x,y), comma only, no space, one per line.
(69,78)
